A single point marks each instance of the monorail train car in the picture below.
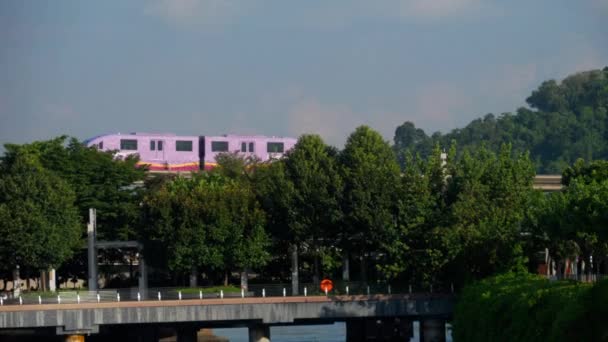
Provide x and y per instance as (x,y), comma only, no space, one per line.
(170,152)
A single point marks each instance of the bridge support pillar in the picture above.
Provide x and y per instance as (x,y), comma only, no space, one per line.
(259,333)
(355,331)
(378,329)
(186,334)
(432,330)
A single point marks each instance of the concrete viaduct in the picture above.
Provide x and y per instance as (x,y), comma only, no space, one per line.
(367,317)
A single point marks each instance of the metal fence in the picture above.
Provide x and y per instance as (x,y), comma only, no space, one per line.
(202,293)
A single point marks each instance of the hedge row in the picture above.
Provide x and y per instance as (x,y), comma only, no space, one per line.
(525,307)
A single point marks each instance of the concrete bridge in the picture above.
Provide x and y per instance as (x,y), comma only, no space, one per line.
(367,317)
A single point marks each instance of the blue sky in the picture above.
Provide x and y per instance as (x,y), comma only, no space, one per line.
(281,67)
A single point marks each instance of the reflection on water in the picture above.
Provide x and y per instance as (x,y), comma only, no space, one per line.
(304,333)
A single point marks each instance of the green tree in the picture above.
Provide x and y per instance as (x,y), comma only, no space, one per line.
(98,179)
(568,120)
(208,221)
(489,197)
(371,174)
(408,138)
(418,251)
(571,223)
(39,226)
(315,211)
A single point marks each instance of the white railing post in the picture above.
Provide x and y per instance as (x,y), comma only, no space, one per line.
(58,299)
(242,293)
(305,292)
(98,298)
(39,300)
(326,292)
(222,294)
(117,297)
(78,298)
(284,292)
(368,292)
(138,297)
(347,290)
(179,295)
(159,296)
(200,294)
(20,300)
(264,293)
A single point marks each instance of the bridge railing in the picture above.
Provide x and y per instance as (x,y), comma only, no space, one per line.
(202,293)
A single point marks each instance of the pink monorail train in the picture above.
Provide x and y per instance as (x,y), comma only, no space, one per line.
(189,153)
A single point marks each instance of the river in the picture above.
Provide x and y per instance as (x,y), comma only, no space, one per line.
(305,333)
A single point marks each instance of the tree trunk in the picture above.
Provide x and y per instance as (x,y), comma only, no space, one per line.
(294,270)
(345,267)
(43,280)
(363,268)
(193,277)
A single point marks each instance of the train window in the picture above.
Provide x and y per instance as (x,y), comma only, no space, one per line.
(219,146)
(128,144)
(243,147)
(152,145)
(159,146)
(183,145)
(274,147)
(250,147)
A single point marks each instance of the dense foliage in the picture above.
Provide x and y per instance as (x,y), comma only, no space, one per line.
(206,222)
(523,307)
(567,121)
(98,179)
(572,223)
(47,190)
(39,226)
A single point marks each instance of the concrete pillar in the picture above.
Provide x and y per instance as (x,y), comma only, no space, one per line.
(92,250)
(187,334)
(259,333)
(143,276)
(355,331)
(295,284)
(345,267)
(245,279)
(432,330)
(74,338)
(193,279)
(16,282)
(52,280)
(378,329)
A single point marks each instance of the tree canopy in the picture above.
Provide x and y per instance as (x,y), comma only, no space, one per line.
(39,225)
(566,121)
